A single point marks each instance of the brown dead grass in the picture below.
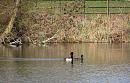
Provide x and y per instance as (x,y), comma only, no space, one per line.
(76,28)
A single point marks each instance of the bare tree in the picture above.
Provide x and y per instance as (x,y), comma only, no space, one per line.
(12,19)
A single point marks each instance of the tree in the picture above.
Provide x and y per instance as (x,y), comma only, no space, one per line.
(12,19)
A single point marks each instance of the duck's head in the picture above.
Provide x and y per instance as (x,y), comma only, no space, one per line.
(81,56)
(71,53)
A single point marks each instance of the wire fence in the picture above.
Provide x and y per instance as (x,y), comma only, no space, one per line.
(87,7)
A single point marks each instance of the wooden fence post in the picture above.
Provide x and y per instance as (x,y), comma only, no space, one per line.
(108,7)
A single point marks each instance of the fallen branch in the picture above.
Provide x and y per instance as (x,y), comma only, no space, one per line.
(54,36)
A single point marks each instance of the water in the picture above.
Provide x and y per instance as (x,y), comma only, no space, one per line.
(103,63)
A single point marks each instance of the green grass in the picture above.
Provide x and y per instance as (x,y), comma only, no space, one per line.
(104,3)
(120,4)
(96,3)
(56,6)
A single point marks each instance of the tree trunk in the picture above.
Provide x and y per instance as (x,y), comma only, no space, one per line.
(12,19)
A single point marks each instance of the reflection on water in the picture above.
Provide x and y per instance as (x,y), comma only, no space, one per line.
(103,63)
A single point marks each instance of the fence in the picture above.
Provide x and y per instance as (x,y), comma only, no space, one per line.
(87,6)
(107,7)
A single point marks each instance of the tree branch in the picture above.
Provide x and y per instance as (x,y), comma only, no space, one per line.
(54,36)
(11,22)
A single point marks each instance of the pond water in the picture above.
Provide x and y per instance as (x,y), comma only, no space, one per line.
(103,63)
